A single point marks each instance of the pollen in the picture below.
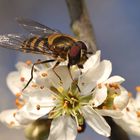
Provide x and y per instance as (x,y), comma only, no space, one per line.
(127,109)
(65,104)
(28,62)
(79,128)
(104,107)
(18,94)
(138,114)
(83,83)
(44,74)
(138,88)
(19,103)
(114,85)
(34,85)
(38,107)
(39,60)
(41,87)
(11,123)
(22,79)
(14,114)
(99,86)
(129,94)
(115,107)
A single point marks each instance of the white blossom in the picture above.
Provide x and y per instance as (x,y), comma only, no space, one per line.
(69,103)
(130,121)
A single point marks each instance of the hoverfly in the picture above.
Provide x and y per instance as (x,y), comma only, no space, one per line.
(46,41)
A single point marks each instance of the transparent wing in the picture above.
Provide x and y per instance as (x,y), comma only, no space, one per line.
(16,42)
(35,27)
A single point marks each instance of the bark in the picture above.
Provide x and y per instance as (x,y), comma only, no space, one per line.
(80,23)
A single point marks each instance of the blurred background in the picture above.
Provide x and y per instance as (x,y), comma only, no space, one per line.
(117,28)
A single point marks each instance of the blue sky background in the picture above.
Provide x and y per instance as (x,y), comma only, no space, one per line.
(117,28)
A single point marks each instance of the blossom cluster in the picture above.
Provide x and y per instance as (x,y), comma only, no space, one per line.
(85,96)
(130,121)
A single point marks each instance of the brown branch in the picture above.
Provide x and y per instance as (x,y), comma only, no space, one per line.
(82,28)
(117,133)
(80,23)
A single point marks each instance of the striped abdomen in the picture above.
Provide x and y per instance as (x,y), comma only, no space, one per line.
(36,43)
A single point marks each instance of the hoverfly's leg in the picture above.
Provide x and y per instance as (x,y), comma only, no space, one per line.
(72,77)
(56,64)
(32,70)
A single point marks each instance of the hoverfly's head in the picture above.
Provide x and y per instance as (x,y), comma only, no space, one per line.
(78,54)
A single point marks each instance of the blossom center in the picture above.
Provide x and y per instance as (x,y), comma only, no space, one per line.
(70,102)
(113,91)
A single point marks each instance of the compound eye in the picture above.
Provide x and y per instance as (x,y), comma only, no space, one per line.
(82,45)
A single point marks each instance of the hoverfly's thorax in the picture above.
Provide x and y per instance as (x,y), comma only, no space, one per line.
(57,38)
(61,44)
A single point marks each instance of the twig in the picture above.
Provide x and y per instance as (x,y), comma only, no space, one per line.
(117,133)
(82,28)
(80,23)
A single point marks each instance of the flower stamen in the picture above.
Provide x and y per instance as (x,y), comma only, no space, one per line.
(22,79)
(38,107)
(138,114)
(28,62)
(44,74)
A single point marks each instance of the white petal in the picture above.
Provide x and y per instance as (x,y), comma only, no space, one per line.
(99,95)
(42,99)
(20,65)
(92,61)
(121,101)
(24,70)
(24,117)
(111,113)
(14,83)
(52,78)
(96,121)
(96,75)
(8,118)
(63,128)
(104,71)
(138,99)
(87,88)
(129,128)
(115,79)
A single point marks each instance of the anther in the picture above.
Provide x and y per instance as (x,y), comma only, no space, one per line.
(83,83)
(22,79)
(14,114)
(114,85)
(39,60)
(18,94)
(114,107)
(138,114)
(19,103)
(129,94)
(65,103)
(138,88)
(41,87)
(38,107)
(99,86)
(127,109)
(11,123)
(34,85)
(44,74)
(79,128)
(28,62)
(104,107)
